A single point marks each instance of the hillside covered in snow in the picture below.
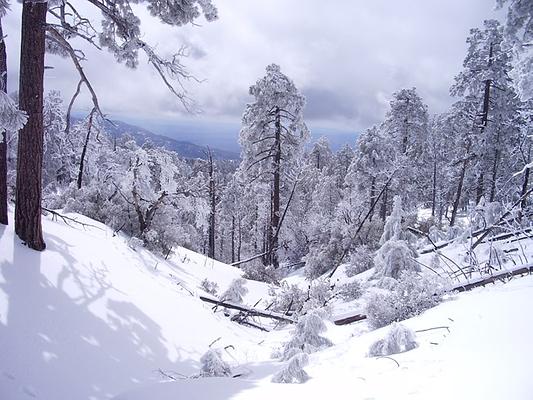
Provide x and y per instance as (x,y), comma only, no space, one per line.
(93,318)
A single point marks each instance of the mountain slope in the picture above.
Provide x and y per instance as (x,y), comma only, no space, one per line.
(90,317)
(184,148)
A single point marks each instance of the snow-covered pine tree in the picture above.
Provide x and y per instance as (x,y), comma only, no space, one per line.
(484,81)
(272,137)
(395,254)
(399,339)
(405,130)
(307,335)
(213,365)
(293,371)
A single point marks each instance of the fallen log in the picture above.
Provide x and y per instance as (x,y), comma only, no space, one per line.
(249,310)
(502,276)
(349,320)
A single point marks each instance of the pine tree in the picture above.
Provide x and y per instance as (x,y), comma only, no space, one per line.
(272,137)
(30,144)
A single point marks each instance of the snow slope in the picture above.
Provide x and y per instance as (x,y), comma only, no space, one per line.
(485,355)
(90,317)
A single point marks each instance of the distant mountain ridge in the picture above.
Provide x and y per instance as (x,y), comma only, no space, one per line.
(183,148)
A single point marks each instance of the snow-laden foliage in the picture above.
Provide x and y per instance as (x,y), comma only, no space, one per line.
(319,293)
(209,286)
(307,335)
(407,297)
(361,259)
(213,365)
(293,371)
(287,298)
(349,291)
(395,254)
(256,270)
(11,118)
(235,292)
(399,339)
(119,31)
(272,140)
(324,257)
(395,257)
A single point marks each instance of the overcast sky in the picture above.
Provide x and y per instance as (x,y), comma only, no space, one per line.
(346,56)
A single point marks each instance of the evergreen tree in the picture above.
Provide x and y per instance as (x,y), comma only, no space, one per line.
(272,137)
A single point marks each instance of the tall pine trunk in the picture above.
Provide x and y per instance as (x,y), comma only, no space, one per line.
(457,200)
(30,144)
(3,135)
(212,213)
(275,216)
(434,192)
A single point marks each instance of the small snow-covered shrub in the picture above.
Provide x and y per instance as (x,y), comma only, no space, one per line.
(214,365)
(398,339)
(236,291)
(293,371)
(412,295)
(319,294)
(288,298)
(394,257)
(306,336)
(350,290)
(361,259)
(257,271)
(209,286)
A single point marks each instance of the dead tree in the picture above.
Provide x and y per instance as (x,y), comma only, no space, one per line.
(30,144)
(85,145)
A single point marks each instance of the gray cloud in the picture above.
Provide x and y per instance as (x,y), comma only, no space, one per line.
(347,56)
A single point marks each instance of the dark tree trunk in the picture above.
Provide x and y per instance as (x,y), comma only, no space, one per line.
(484,123)
(212,214)
(3,135)
(486,95)
(239,242)
(232,239)
(30,145)
(84,150)
(273,239)
(479,189)
(495,164)
(434,194)
(459,192)
(523,204)
(384,205)
(372,195)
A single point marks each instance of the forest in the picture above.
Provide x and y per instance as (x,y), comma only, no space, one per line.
(397,217)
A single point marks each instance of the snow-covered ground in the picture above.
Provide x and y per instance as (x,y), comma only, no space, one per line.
(91,318)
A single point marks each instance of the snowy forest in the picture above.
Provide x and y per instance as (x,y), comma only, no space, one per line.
(341,269)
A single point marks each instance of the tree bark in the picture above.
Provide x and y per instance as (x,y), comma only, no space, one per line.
(3,135)
(84,150)
(457,200)
(30,145)
(212,201)
(372,195)
(434,193)
(233,239)
(273,239)
(524,190)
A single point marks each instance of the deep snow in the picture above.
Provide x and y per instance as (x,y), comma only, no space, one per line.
(91,318)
